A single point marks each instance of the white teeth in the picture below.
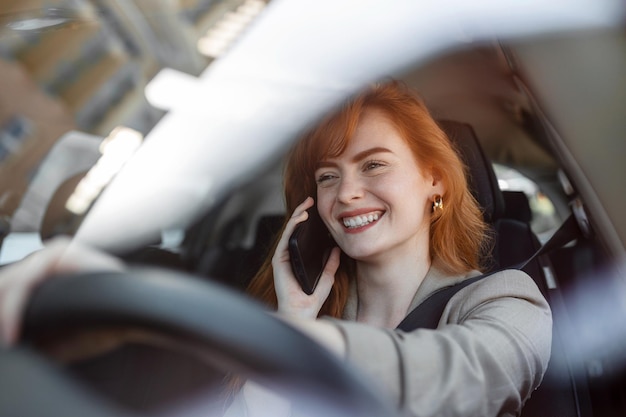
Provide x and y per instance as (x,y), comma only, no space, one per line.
(359,221)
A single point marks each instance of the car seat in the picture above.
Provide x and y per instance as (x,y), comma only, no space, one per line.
(561,393)
(514,240)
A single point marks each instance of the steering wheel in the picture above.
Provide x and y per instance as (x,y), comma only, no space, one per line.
(227,326)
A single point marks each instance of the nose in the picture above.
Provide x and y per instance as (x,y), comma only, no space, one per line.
(350,188)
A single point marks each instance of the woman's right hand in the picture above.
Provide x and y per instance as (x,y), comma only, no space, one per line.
(18,280)
(292,301)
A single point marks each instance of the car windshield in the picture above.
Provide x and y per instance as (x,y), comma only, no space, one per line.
(98,73)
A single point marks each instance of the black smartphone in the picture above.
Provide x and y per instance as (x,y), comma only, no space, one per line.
(310,245)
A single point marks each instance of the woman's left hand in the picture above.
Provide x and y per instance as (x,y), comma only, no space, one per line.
(18,280)
(292,301)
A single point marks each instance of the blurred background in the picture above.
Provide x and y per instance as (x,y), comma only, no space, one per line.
(72,72)
(78,94)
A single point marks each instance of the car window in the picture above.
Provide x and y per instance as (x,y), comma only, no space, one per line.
(544,217)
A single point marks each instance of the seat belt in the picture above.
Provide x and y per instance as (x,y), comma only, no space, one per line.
(428,313)
(567,232)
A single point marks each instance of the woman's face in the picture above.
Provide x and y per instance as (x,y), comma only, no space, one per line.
(374,197)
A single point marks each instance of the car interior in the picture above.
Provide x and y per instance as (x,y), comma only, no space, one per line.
(228,244)
(514,242)
(495,100)
(240,240)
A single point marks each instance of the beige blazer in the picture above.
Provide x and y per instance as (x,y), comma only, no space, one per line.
(487,355)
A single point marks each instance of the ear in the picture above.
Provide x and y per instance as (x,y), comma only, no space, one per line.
(436,183)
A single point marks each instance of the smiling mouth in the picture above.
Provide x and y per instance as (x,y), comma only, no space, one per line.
(361,220)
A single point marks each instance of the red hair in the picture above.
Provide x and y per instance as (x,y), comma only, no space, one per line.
(458,234)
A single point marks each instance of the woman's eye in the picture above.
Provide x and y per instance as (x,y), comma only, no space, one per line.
(373,165)
(324,178)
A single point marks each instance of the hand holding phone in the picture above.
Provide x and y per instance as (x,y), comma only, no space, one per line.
(309,246)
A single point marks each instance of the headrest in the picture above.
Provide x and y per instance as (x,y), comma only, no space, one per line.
(482,178)
(517,206)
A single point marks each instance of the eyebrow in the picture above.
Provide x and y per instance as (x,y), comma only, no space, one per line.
(358,157)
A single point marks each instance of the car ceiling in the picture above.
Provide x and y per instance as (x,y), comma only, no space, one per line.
(582,91)
(477,86)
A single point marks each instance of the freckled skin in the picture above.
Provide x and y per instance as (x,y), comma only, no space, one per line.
(377,173)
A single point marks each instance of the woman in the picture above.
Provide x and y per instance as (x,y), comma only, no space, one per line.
(393,194)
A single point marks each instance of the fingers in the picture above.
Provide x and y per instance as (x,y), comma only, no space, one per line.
(298,216)
(292,300)
(18,280)
(284,281)
(328,275)
(76,257)
(11,306)
(16,283)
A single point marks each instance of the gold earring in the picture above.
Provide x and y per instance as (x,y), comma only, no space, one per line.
(437,202)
